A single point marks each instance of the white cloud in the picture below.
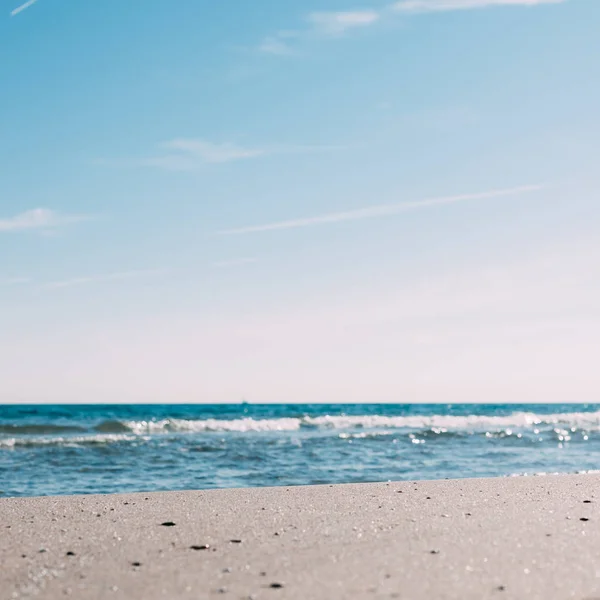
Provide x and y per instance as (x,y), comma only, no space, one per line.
(379,211)
(23,7)
(336,23)
(122,276)
(39,218)
(424,6)
(328,24)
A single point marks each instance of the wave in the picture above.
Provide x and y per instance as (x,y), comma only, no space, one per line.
(201,425)
(113,431)
(34,429)
(81,440)
(434,423)
(458,423)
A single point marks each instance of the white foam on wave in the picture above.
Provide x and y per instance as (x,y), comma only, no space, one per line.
(458,423)
(561,423)
(233,425)
(579,420)
(107,438)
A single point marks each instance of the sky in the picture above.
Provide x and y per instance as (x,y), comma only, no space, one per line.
(327,201)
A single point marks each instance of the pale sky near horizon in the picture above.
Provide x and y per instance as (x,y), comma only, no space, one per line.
(300,202)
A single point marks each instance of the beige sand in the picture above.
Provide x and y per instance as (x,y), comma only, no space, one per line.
(498,538)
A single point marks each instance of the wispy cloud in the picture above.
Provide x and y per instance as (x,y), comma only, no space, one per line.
(23,7)
(189,154)
(336,23)
(185,154)
(275,45)
(236,262)
(379,211)
(90,279)
(279,43)
(318,24)
(39,219)
(424,6)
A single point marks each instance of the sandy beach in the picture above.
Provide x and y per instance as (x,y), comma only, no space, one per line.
(534,537)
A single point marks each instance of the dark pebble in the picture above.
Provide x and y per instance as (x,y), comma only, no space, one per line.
(434,552)
(168,524)
(501,588)
(428,498)
(42,550)
(136,564)
(587,501)
(236,541)
(69,553)
(202,547)
(23,555)
(263,573)
(584,519)
(276,586)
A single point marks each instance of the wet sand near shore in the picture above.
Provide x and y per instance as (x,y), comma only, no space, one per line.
(530,537)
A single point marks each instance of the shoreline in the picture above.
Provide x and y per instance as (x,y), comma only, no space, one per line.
(510,537)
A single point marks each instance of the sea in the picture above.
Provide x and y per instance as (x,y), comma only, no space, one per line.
(91,449)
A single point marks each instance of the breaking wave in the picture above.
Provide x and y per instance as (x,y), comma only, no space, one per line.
(80,440)
(358,427)
(468,423)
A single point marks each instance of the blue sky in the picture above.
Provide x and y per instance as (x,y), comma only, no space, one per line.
(286,201)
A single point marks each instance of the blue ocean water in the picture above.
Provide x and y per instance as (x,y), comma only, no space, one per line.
(67,449)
